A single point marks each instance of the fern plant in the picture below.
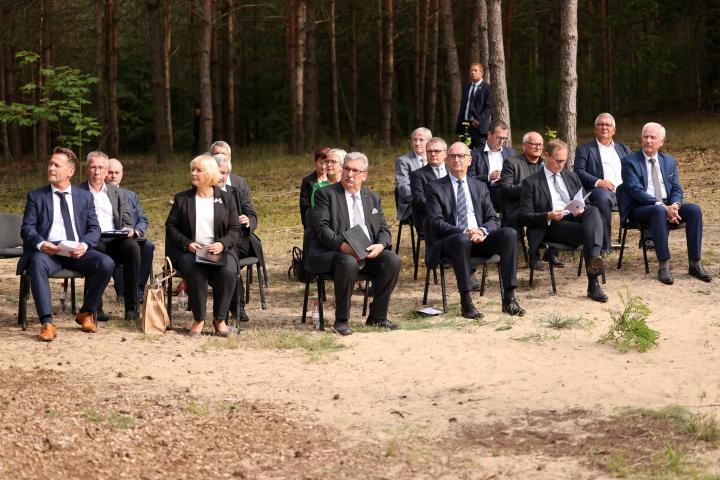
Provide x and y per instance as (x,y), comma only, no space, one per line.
(629,329)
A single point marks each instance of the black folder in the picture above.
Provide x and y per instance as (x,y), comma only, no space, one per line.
(358,241)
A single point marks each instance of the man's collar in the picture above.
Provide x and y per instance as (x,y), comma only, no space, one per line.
(599,143)
(56,189)
(478,83)
(103,189)
(648,157)
(489,150)
(454,178)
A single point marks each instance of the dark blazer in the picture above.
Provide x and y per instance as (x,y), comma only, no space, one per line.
(139,218)
(243,203)
(480,165)
(418,181)
(480,108)
(38,218)
(588,164)
(306,194)
(404,165)
(330,218)
(180,223)
(635,181)
(121,212)
(536,202)
(514,171)
(441,213)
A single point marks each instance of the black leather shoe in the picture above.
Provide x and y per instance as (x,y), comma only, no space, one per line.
(512,307)
(468,310)
(385,323)
(594,292)
(101,316)
(241,314)
(699,272)
(597,265)
(342,328)
(552,257)
(665,276)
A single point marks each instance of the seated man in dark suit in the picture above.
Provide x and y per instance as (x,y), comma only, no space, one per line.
(113,213)
(140,225)
(488,158)
(598,165)
(338,208)
(463,224)
(436,150)
(652,195)
(545,195)
(51,217)
(248,244)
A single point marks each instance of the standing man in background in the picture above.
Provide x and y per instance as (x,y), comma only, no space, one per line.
(475,107)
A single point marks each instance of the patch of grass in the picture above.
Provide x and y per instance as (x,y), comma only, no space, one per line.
(92,416)
(558,321)
(290,340)
(117,420)
(220,343)
(629,329)
(393,447)
(701,425)
(226,407)
(538,338)
(197,409)
(51,413)
(618,465)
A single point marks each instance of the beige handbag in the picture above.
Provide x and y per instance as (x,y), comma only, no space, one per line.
(155,319)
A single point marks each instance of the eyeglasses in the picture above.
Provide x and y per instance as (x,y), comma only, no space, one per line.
(434,151)
(534,145)
(330,162)
(501,139)
(605,125)
(97,167)
(458,156)
(352,171)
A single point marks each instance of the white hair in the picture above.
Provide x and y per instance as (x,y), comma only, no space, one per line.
(425,131)
(358,156)
(656,125)
(605,115)
(339,153)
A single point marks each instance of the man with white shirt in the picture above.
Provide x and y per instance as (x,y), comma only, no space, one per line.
(598,165)
(54,213)
(487,160)
(475,107)
(543,201)
(464,224)
(113,215)
(338,208)
(404,164)
(652,195)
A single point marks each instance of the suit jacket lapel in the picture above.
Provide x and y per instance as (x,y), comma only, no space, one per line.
(115,204)
(450,192)
(474,197)
(595,152)
(545,189)
(219,211)
(48,198)
(367,212)
(569,184)
(191,213)
(342,204)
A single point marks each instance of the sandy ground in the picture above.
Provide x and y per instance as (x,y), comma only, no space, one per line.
(452,402)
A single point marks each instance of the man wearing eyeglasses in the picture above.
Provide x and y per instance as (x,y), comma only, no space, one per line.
(487,160)
(598,165)
(437,152)
(338,208)
(464,225)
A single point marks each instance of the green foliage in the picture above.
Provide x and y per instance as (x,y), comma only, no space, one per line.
(629,328)
(701,425)
(550,134)
(465,136)
(60,100)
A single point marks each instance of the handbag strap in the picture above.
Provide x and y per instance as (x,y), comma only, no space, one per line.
(168,271)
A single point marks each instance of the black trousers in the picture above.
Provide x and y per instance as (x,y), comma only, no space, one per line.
(501,242)
(604,200)
(220,278)
(125,252)
(384,269)
(242,248)
(587,230)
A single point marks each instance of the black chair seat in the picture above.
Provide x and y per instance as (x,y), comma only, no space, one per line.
(64,274)
(321,278)
(560,247)
(13,252)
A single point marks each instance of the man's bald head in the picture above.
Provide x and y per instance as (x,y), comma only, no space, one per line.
(115,172)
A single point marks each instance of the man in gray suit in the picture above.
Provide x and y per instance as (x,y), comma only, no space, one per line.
(405,164)
(338,208)
(114,215)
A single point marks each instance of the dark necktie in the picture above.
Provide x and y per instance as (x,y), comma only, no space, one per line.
(563,196)
(655,179)
(65,212)
(471,94)
(461,206)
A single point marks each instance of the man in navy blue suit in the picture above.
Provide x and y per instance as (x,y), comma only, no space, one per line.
(598,165)
(475,107)
(463,224)
(140,225)
(487,160)
(54,213)
(652,195)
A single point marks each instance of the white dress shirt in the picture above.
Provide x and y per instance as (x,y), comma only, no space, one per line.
(471,220)
(474,87)
(103,208)
(611,163)
(495,161)
(440,171)
(357,221)
(648,169)
(557,201)
(57,229)
(204,220)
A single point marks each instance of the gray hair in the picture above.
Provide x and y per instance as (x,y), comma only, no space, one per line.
(339,153)
(605,115)
(425,131)
(438,140)
(657,125)
(526,137)
(221,158)
(97,154)
(222,144)
(358,156)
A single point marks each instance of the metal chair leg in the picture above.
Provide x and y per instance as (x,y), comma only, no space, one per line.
(365,298)
(397,245)
(482,281)
(305,300)
(22,302)
(580,265)
(500,284)
(622,247)
(442,287)
(72,296)
(248,280)
(644,249)
(321,287)
(427,284)
(552,278)
(261,286)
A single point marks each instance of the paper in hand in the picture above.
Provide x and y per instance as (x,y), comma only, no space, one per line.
(577,204)
(67,247)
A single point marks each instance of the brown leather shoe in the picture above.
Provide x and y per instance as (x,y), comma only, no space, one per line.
(48,332)
(86,321)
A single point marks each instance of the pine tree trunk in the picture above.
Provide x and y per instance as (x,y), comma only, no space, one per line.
(113,44)
(230,85)
(299,82)
(100,69)
(567,114)
(291,52)
(423,63)
(388,74)
(352,140)
(159,35)
(501,107)
(474,35)
(217,72)
(432,114)
(334,76)
(484,50)
(416,64)
(381,61)
(312,88)
(606,57)
(451,55)
(3,95)
(206,106)
(46,8)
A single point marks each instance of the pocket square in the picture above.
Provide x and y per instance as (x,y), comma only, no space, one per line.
(218,200)
(374,211)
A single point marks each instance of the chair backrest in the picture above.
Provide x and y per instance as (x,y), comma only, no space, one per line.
(10,224)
